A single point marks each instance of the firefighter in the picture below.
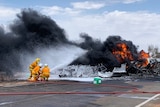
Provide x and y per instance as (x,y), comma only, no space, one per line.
(36,72)
(32,66)
(45,73)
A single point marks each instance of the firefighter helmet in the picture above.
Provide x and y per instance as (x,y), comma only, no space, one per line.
(38,59)
(40,64)
(45,64)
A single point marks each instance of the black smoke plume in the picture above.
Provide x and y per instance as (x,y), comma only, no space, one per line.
(101,52)
(29,31)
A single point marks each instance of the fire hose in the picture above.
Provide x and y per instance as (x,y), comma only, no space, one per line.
(134,90)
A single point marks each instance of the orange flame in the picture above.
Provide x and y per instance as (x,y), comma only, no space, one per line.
(122,53)
(143,56)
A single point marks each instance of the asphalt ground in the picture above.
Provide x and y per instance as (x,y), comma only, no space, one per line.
(115,92)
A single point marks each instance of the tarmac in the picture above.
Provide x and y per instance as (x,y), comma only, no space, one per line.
(113,92)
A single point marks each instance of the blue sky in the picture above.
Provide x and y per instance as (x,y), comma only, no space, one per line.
(143,5)
(134,20)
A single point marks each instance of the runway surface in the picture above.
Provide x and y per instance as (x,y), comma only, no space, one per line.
(113,92)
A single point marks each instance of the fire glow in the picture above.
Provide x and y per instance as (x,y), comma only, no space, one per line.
(143,57)
(122,53)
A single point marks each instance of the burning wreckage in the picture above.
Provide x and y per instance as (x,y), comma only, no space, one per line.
(144,66)
(133,68)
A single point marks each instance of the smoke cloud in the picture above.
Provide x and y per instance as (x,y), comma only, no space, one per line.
(30,33)
(101,52)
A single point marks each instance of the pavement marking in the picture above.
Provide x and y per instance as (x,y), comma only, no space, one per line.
(23,100)
(5,103)
(135,97)
(143,103)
